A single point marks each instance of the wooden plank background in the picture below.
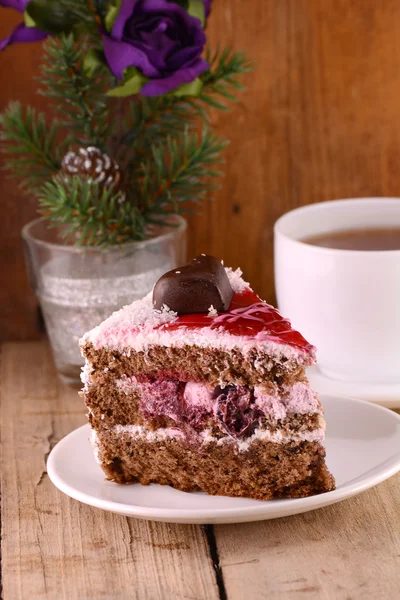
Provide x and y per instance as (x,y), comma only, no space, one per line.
(320,120)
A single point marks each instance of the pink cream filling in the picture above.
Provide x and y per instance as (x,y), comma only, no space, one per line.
(300,399)
(237,410)
(197,395)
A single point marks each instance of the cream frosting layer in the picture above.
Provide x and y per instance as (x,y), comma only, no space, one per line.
(94,440)
(137,327)
(279,436)
(296,399)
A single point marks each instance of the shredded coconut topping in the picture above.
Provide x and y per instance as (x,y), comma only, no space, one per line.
(235,279)
(138,326)
(212,312)
(140,316)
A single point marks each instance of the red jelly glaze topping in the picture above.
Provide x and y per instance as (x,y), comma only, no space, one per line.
(260,320)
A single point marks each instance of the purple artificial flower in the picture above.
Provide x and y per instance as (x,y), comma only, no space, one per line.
(161,40)
(207,7)
(21,32)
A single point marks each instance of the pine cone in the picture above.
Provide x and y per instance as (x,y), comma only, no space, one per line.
(91,164)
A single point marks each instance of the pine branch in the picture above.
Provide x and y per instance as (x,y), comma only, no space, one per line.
(79,99)
(222,80)
(153,119)
(179,171)
(90,215)
(32,153)
(85,10)
(74,11)
(100,7)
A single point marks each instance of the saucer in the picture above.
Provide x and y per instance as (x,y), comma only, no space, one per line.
(362,449)
(387,395)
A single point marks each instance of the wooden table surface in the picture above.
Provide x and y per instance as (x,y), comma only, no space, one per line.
(54,547)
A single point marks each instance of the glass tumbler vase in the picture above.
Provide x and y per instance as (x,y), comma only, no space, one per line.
(79,287)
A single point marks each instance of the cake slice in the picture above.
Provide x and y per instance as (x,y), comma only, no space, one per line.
(201,385)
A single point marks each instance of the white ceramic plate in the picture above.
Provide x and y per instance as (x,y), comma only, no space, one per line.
(363,449)
(384,394)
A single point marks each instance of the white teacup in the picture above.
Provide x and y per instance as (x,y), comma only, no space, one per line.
(345,302)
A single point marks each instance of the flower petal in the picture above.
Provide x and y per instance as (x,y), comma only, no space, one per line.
(125,12)
(157,87)
(183,57)
(158,57)
(207,7)
(19,5)
(121,55)
(23,34)
(190,31)
(164,7)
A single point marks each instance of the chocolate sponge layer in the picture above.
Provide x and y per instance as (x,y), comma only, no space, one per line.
(265,471)
(193,363)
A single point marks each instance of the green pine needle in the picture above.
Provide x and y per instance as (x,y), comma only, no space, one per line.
(79,99)
(179,172)
(90,214)
(33,154)
(153,119)
(222,80)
